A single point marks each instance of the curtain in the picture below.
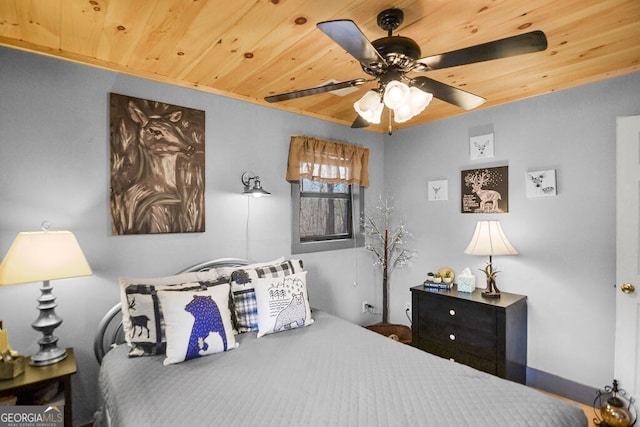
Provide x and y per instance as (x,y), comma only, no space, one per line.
(327,161)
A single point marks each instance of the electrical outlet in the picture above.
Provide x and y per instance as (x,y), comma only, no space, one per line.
(407,306)
(365,306)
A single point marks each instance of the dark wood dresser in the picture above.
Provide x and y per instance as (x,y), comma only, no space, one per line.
(487,334)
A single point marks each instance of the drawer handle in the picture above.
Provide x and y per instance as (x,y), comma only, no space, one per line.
(452,312)
(452,337)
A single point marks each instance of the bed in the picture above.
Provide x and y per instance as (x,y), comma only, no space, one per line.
(328,373)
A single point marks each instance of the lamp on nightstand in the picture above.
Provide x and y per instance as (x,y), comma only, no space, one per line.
(489,239)
(44,256)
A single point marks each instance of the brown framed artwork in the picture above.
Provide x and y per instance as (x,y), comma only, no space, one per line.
(485,190)
(157,167)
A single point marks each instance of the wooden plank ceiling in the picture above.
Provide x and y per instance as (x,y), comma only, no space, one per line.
(251,49)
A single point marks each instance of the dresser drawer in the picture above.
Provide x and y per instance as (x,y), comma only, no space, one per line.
(459,338)
(457,312)
(486,365)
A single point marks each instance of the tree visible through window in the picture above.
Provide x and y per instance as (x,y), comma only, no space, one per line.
(325,211)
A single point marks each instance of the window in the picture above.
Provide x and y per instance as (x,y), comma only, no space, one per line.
(327,193)
(326,216)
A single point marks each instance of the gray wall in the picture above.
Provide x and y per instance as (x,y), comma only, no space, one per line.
(54,165)
(566,264)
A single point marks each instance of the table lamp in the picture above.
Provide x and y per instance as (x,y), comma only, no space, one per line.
(44,256)
(489,239)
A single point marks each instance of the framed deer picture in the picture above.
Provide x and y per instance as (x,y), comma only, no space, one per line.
(157,167)
(541,183)
(437,190)
(481,146)
(485,190)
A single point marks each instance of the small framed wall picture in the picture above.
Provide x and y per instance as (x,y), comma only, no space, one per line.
(438,190)
(541,183)
(481,146)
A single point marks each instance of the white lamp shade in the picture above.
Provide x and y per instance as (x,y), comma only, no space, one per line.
(489,239)
(43,255)
(402,113)
(369,107)
(406,102)
(419,100)
(395,93)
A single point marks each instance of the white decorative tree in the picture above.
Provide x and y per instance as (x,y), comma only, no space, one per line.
(386,242)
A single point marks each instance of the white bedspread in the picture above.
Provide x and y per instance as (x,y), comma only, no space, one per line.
(332,373)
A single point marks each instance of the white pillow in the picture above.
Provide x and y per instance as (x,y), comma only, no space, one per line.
(196,323)
(283,303)
(142,320)
(177,279)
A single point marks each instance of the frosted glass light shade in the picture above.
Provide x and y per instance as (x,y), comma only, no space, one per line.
(395,94)
(406,102)
(43,255)
(369,107)
(402,113)
(489,239)
(419,100)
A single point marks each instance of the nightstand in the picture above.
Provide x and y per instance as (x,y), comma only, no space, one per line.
(486,334)
(36,378)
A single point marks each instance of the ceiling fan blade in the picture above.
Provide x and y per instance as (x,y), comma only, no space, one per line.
(314,90)
(347,34)
(450,94)
(534,41)
(359,122)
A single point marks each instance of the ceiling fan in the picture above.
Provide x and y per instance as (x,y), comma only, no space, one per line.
(389,60)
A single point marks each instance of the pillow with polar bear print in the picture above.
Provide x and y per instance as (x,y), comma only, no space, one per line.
(283,303)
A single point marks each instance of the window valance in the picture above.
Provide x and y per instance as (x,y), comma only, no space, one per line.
(327,161)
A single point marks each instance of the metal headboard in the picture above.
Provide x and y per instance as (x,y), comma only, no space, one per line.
(110,331)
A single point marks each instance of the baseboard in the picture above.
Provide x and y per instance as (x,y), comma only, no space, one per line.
(560,386)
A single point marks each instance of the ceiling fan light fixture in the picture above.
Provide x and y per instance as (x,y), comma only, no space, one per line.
(396,93)
(402,113)
(419,100)
(369,107)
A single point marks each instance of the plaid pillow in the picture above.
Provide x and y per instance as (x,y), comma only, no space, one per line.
(243,292)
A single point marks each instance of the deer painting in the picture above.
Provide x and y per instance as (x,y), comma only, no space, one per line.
(157,168)
(489,199)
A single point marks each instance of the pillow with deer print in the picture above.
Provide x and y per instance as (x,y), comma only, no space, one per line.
(283,303)
(197,323)
(142,319)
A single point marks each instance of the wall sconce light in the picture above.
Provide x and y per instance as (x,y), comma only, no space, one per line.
(489,239)
(252,186)
(43,256)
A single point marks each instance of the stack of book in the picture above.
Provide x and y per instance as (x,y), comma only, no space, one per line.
(434,285)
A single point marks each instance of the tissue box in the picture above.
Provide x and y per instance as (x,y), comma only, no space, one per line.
(466,283)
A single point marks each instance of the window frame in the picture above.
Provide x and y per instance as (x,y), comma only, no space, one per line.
(357,213)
